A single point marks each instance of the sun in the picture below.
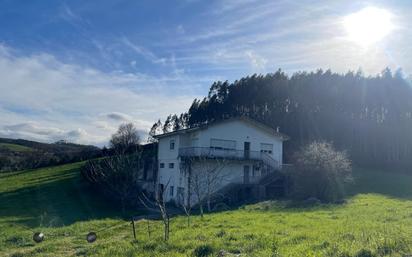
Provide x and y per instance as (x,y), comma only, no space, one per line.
(368,25)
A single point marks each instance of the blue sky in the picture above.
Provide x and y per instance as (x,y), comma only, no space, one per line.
(75,69)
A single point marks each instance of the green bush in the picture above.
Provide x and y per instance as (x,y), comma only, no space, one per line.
(203,251)
(365,253)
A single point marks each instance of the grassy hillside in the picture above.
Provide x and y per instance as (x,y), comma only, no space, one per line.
(57,202)
(15,147)
(19,154)
(55,196)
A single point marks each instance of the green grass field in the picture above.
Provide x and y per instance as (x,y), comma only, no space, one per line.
(375,221)
(15,148)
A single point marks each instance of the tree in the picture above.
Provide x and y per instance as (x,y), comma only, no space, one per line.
(167,125)
(370,116)
(187,208)
(5,163)
(205,179)
(117,176)
(126,139)
(321,172)
(155,130)
(159,204)
(186,201)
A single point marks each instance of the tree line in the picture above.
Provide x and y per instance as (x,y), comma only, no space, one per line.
(369,116)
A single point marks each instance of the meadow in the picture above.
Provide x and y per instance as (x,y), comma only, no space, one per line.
(14,147)
(376,220)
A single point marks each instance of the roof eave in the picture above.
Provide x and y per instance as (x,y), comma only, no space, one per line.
(182,131)
(260,125)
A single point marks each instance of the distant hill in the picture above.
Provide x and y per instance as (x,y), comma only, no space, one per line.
(18,154)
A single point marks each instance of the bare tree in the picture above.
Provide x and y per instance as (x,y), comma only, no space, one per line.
(187,208)
(159,204)
(185,201)
(206,178)
(116,175)
(125,139)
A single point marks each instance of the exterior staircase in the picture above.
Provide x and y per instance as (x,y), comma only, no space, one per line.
(270,185)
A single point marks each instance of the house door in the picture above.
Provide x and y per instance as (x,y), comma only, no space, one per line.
(246,174)
(246,149)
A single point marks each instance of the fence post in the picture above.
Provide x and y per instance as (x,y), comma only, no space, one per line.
(134,229)
(148,226)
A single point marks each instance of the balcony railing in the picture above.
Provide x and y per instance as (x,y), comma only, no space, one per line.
(210,152)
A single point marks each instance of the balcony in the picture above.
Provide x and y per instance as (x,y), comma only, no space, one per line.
(210,152)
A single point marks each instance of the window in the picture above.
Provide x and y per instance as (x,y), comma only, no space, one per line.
(171,190)
(171,165)
(172,144)
(266,148)
(223,144)
(255,170)
(162,165)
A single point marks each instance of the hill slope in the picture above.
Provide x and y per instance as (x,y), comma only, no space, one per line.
(18,154)
(55,196)
(57,202)
(14,147)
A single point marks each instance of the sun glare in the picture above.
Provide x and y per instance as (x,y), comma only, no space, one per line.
(368,25)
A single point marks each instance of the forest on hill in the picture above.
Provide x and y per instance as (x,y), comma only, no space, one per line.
(369,116)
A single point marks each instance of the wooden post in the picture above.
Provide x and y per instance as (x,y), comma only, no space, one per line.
(134,229)
(148,226)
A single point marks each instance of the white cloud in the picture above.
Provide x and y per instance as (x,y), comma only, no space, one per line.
(34,131)
(257,61)
(146,53)
(44,99)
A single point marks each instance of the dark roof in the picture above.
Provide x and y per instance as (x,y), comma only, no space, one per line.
(253,122)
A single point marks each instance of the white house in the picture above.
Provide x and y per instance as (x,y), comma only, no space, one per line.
(245,149)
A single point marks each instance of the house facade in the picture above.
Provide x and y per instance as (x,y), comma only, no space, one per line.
(234,151)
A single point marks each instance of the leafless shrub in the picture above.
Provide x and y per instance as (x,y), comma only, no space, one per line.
(321,172)
(116,176)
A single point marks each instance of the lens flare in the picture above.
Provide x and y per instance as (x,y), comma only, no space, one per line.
(368,25)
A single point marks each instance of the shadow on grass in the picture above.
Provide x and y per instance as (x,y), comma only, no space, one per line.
(389,183)
(393,185)
(60,199)
(56,201)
